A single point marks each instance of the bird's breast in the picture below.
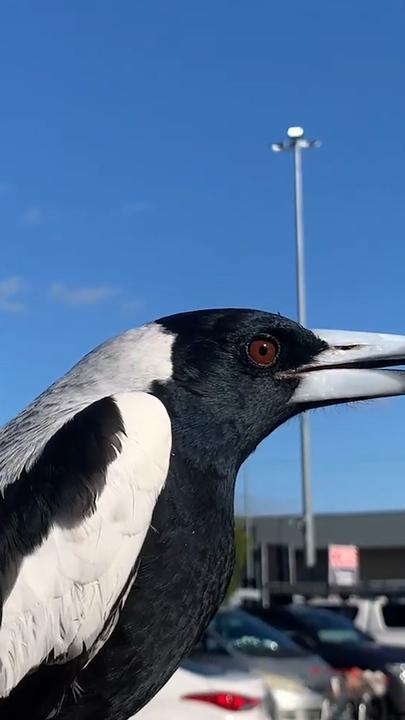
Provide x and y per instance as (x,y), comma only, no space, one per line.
(185,566)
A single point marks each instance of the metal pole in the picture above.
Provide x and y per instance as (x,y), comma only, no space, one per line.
(299,235)
(291,564)
(309,530)
(248,535)
(264,571)
(297,142)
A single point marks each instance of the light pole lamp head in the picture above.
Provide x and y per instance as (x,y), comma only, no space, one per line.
(296,140)
(295,132)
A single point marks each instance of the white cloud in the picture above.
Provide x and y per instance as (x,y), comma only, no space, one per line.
(10,289)
(134,208)
(11,286)
(32,216)
(79,296)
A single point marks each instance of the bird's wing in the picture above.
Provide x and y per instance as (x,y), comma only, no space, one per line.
(71,530)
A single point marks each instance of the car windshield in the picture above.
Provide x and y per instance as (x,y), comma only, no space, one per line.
(349,611)
(330,627)
(250,635)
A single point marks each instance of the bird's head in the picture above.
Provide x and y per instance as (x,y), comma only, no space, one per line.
(239,374)
(228,378)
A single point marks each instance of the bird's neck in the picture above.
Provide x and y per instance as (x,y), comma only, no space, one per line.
(201,488)
(209,442)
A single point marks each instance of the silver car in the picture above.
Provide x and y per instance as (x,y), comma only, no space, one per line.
(301,683)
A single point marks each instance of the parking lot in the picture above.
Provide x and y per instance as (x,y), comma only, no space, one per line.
(300,661)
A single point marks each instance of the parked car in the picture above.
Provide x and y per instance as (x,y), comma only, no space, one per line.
(210,685)
(342,645)
(380,617)
(300,681)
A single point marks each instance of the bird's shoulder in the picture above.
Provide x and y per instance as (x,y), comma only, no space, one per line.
(72,527)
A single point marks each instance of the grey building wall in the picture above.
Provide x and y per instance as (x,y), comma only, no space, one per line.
(386,529)
(380,537)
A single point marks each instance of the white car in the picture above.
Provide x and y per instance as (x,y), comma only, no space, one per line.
(379,617)
(209,688)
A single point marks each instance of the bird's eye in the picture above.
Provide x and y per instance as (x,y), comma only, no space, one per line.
(263,351)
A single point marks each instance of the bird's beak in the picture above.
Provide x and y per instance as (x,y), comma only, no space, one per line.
(351,368)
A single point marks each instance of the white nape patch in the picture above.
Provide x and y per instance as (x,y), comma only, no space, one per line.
(66,589)
(128,363)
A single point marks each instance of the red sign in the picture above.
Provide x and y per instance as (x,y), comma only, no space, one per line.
(343,564)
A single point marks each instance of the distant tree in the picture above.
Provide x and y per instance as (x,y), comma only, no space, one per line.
(239,572)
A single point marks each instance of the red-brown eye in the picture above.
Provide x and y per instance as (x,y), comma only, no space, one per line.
(263,351)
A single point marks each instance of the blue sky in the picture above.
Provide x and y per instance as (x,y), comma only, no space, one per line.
(136,180)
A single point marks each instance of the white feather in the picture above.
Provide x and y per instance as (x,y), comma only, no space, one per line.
(128,363)
(67,588)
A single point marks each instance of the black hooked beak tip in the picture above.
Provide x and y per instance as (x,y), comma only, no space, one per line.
(352,368)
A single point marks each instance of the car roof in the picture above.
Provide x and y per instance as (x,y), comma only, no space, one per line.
(302,615)
(300,611)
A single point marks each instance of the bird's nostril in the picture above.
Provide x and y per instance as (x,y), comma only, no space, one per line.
(347,347)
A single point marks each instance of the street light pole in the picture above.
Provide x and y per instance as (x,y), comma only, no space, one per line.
(299,236)
(296,143)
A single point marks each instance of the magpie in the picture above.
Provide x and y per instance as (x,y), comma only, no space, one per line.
(117,494)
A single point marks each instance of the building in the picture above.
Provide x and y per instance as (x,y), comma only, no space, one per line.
(277,545)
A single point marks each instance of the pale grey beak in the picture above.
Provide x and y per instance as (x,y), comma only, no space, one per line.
(351,368)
